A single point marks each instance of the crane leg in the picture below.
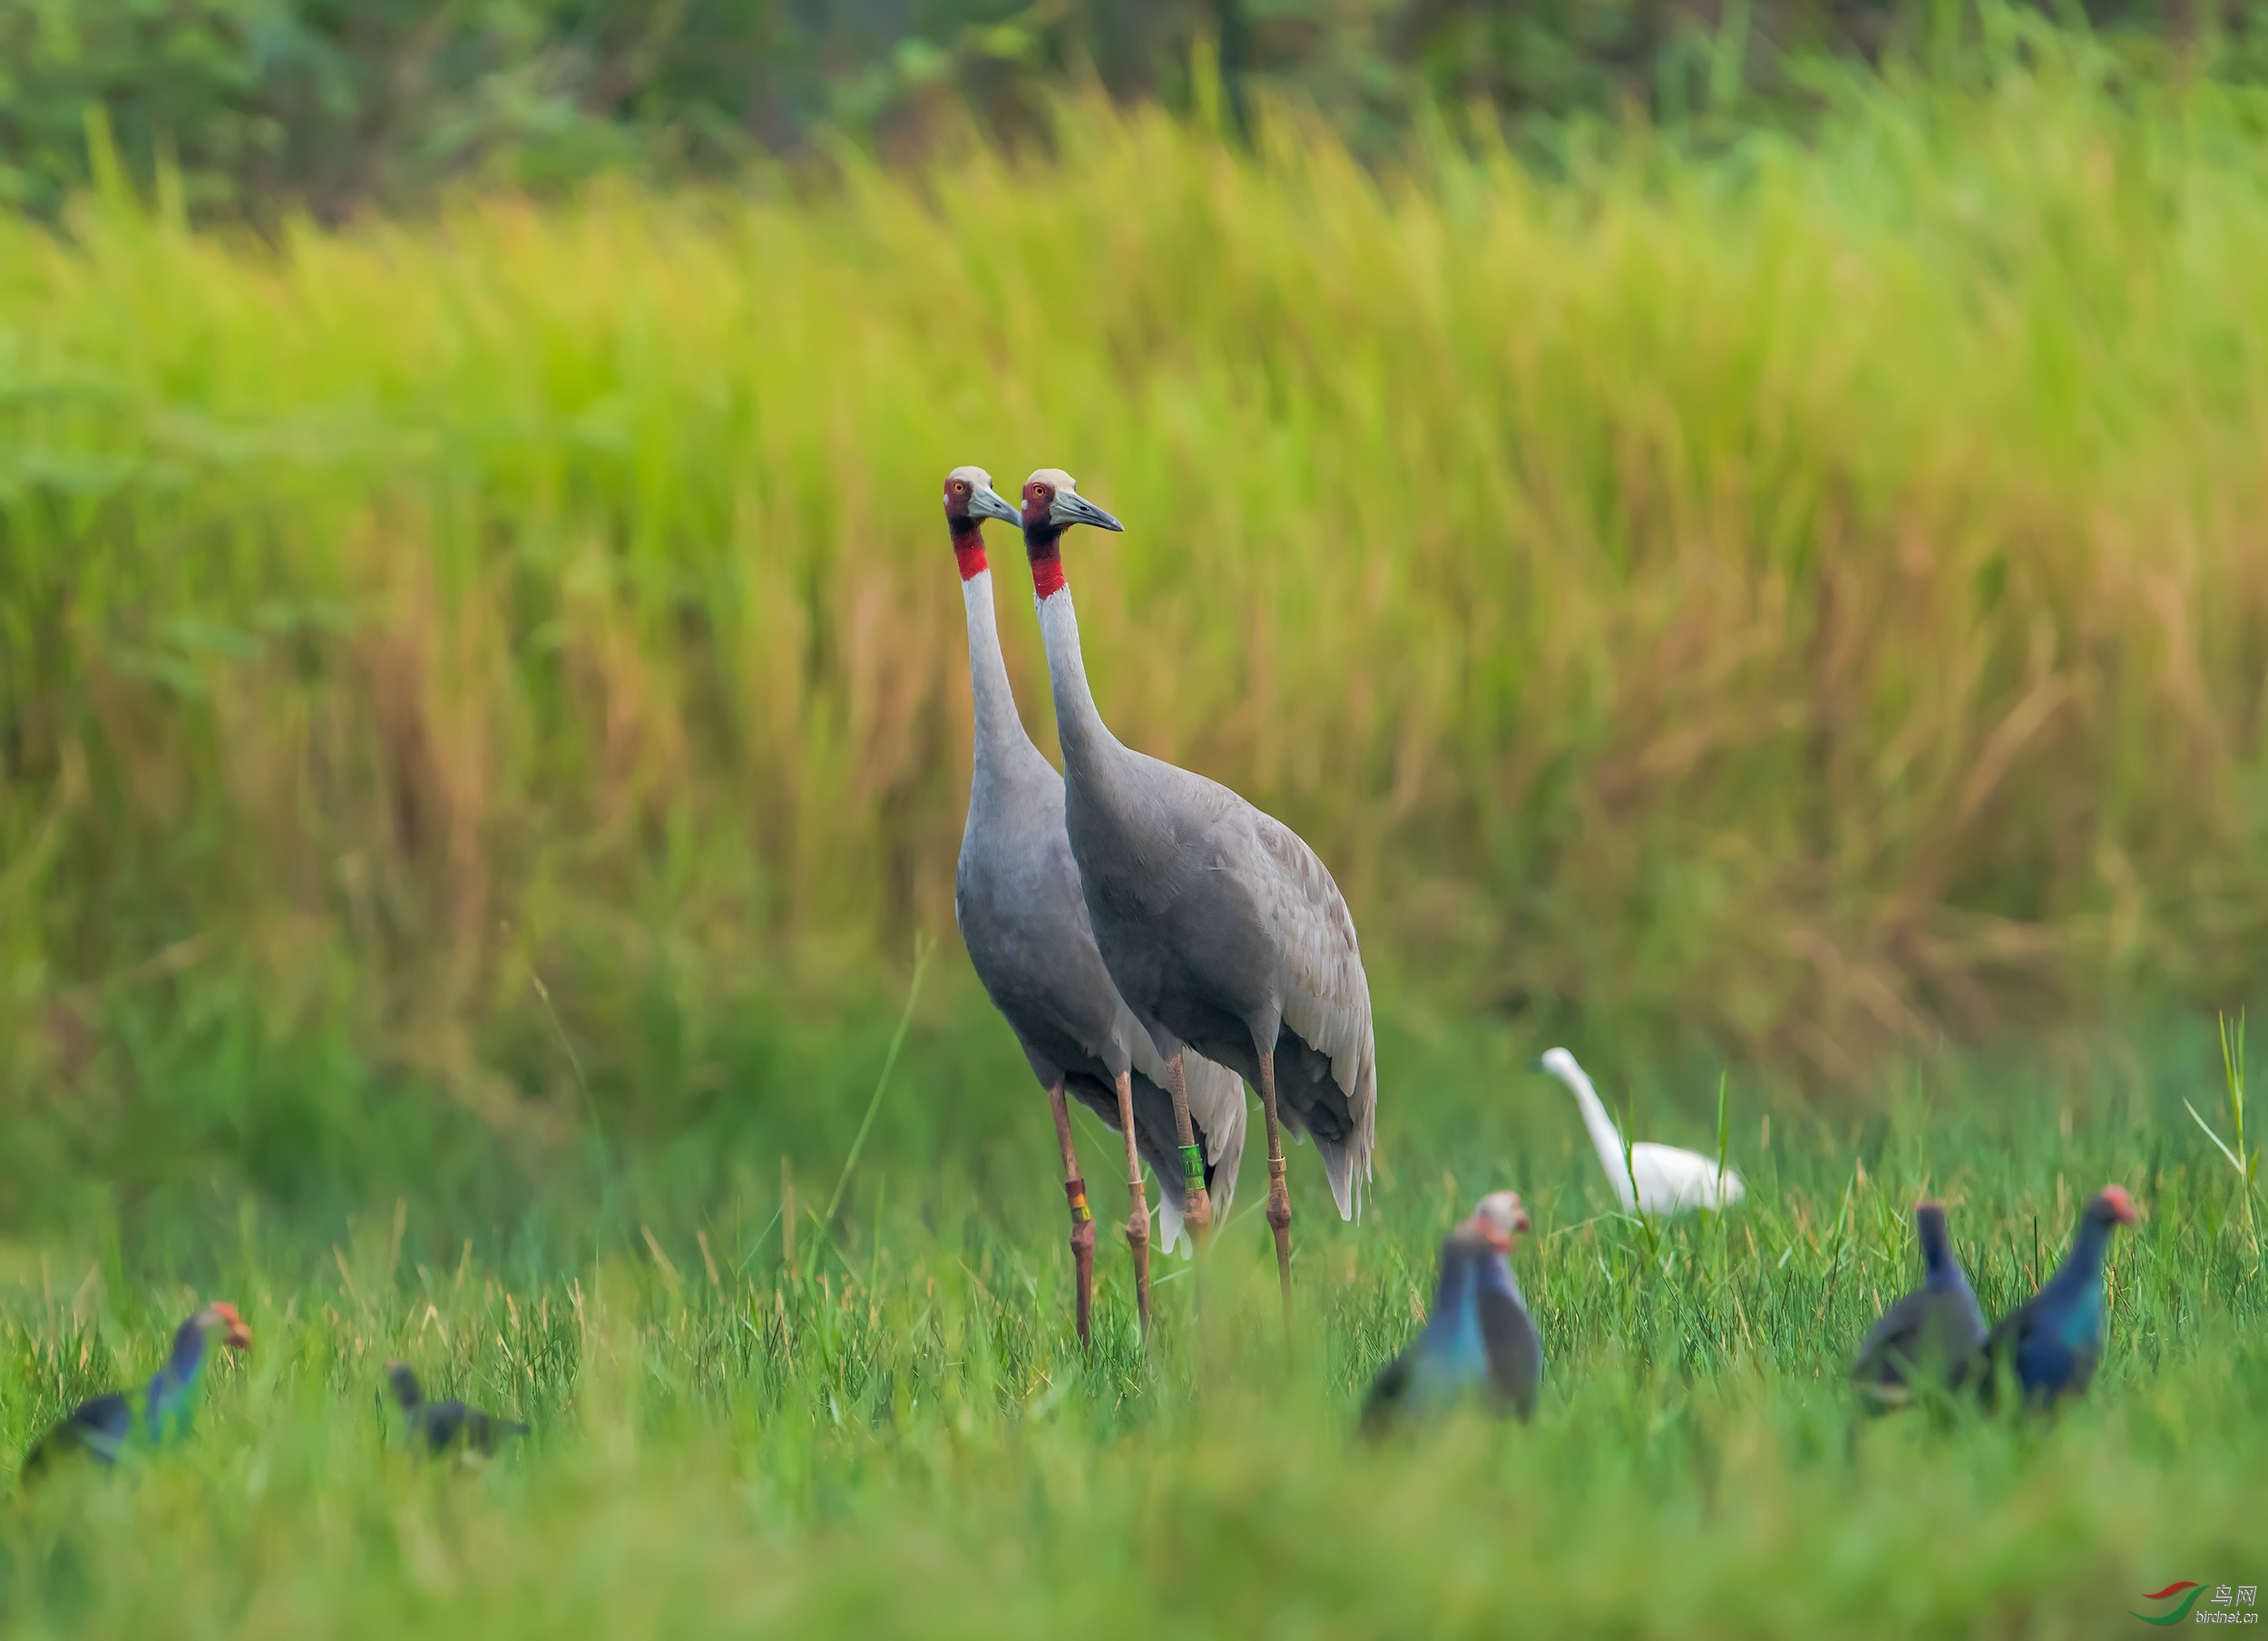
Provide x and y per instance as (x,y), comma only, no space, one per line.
(1138,1215)
(1082,1216)
(1198,1214)
(1279,1199)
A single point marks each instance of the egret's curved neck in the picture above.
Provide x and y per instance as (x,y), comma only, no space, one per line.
(1086,740)
(1000,732)
(1605,1138)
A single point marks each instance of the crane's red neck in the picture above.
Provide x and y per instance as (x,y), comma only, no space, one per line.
(968,546)
(1043,546)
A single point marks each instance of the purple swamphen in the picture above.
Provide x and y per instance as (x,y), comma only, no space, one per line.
(107,1426)
(1479,1340)
(2051,1343)
(1928,1337)
(437,1427)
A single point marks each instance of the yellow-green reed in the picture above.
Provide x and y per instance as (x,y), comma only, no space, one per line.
(1815,594)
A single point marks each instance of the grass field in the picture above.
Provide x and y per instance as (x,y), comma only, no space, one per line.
(888,1429)
(483,715)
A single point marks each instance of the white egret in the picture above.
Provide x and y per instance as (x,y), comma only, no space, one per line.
(1652,1179)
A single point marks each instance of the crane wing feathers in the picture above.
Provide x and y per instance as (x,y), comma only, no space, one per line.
(1217,1102)
(1217,1099)
(1325,994)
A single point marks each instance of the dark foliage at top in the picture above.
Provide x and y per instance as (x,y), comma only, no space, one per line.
(329,106)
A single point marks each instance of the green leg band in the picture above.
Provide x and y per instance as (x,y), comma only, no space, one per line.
(1193,1168)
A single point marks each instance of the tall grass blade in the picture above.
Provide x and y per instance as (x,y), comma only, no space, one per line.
(924,949)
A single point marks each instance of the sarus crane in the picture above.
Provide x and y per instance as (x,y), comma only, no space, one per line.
(1016,896)
(1226,934)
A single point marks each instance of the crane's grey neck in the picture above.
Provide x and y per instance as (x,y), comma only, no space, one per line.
(1078,727)
(1000,732)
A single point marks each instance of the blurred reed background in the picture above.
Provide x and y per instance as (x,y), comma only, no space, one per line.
(1791,598)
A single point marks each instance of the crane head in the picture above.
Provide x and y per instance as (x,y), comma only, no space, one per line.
(970,496)
(1053,504)
(1499,1216)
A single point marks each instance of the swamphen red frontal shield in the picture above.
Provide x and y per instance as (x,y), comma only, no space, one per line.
(2051,1344)
(105,1426)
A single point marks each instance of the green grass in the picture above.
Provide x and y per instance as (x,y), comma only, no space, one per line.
(890,1429)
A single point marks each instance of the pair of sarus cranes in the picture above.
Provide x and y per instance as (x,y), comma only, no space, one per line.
(1156,943)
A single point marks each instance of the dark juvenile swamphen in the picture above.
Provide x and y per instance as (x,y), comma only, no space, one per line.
(437,1427)
(1929,1336)
(1479,1339)
(2051,1343)
(106,1427)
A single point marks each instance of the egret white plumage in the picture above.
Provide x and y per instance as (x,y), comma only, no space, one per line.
(1653,1179)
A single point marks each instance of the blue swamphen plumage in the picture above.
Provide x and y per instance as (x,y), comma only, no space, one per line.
(435,1427)
(2051,1343)
(1928,1336)
(106,1426)
(1479,1339)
